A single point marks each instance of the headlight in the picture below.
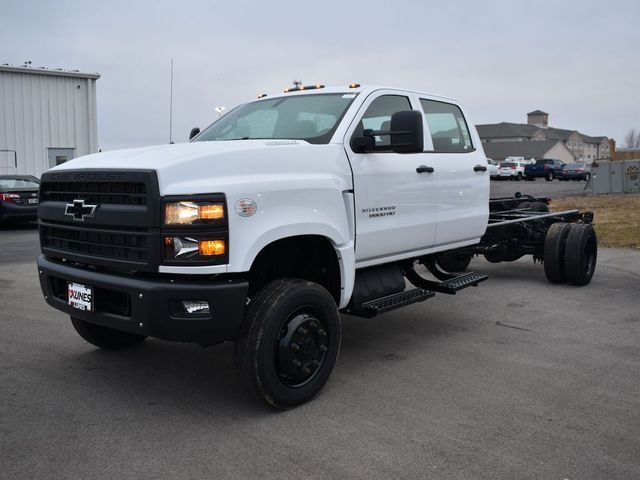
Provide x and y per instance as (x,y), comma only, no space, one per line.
(193,213)
(195,230)
(187,248)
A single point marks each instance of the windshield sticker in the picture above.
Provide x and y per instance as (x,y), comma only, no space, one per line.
(282,142)
(245,207)
(380,211)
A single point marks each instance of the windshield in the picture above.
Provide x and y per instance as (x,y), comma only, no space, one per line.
(19,182)
(313,118)
(507,164)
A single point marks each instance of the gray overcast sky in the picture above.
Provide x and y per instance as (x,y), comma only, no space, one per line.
(577,60)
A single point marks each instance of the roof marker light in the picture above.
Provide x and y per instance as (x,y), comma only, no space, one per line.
(354,85)
(299,88)
(262,95)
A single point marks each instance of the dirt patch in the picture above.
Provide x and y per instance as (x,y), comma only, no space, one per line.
(616,217)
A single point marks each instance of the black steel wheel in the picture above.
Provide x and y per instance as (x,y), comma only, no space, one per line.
(289,342)
(103,337)
(554,248)
(454,262)
(580,254)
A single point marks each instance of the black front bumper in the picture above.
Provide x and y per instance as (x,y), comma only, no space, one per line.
(150,306)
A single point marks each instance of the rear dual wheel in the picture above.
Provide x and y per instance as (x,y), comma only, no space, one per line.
(580,254)
(289,343)
(570,253)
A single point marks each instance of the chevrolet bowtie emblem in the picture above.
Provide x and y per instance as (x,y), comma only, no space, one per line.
(79,211)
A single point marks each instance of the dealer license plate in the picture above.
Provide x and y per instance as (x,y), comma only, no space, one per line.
(80,296)
(33,200)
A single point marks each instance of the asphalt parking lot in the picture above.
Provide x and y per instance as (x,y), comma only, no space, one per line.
(514,379)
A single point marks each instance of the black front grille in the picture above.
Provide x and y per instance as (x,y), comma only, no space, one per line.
(127,245)
(118,193)
(121,231)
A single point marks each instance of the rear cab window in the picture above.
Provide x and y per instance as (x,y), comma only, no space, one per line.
(448,127)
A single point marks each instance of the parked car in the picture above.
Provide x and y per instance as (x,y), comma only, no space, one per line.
(511,170)
(493,168)
(576,171)
(547,168)
(18,198)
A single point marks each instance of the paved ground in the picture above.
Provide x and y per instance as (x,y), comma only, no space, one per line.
(514,379)
(538,188)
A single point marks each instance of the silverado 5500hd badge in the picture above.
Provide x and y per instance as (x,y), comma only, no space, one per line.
(380,211)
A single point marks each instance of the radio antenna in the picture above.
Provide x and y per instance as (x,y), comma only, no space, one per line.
(171,104)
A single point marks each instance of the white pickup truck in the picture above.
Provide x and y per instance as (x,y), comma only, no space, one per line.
(270,222)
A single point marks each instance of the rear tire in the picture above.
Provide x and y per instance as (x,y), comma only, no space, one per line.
(519,177)
(554,250)
(289,342)
(103,337)
(580,254)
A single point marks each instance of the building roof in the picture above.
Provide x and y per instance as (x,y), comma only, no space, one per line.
(531,149)
(553,133)
(523,130)
(59,72)
(506,130)
(588,139)
(537,112)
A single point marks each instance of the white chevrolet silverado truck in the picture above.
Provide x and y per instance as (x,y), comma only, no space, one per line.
(279,216)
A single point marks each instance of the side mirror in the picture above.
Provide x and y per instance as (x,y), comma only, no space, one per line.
(364,143)
(407,132)
(194,131)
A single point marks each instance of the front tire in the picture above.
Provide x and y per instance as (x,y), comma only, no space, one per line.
(289,343)
(103,337)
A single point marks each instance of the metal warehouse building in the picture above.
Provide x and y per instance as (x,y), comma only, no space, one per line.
(47,117)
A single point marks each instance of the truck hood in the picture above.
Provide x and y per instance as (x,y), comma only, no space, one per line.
(199,167)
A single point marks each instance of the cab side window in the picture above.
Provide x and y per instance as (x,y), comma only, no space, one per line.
(378,117)
(448,127)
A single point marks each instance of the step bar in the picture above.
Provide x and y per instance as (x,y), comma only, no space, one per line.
(387,303)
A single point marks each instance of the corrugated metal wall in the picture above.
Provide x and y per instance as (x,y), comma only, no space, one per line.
(38,112)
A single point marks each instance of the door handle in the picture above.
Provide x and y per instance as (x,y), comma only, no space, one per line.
(479,168)
(424,169)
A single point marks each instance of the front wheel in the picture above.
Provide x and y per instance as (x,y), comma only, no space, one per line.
(103,337)
(289,342)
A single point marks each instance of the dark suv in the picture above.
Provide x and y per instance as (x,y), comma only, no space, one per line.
(546,168)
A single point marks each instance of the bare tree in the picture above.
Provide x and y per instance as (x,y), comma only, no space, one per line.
(632,138)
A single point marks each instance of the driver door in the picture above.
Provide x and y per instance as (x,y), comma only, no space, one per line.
(395,205)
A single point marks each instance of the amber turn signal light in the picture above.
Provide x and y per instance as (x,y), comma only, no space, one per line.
(209,248)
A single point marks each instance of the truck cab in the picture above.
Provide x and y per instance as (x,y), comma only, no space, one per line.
(264,226)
